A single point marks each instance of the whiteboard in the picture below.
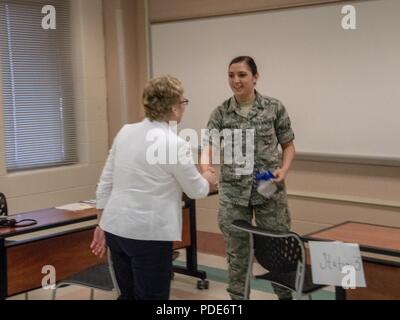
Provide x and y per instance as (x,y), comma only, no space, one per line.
(341,87)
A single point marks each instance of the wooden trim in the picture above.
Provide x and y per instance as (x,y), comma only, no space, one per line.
(307,195)
(345,199)
(350,159)
(174,10)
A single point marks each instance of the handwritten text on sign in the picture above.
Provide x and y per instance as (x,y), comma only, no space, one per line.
(336,263)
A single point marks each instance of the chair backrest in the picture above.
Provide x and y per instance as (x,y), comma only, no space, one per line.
(275,251)
(3,205)
(278,252)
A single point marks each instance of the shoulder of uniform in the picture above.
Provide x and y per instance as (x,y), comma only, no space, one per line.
(223,107)
(270,100)
(267,101)
(226,104)
(217,111)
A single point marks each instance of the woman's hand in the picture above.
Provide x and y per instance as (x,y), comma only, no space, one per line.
(280,175)
(212,179)
(98,244)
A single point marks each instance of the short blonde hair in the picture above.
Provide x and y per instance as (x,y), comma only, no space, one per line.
(159,95)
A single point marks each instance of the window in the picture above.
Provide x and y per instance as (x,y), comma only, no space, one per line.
(37,95)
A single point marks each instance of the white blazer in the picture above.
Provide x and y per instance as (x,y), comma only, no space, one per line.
(141,185)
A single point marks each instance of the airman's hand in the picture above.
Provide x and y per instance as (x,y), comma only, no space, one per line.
(212,179)
(280,175)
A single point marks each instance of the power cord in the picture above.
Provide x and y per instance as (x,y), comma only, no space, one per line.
(7,222)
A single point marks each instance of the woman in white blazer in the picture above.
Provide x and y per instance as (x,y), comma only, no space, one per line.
(139,194)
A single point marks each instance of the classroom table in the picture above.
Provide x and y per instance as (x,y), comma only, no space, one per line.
(22,261)
(380,248)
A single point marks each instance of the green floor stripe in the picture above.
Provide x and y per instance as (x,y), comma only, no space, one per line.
(221,275)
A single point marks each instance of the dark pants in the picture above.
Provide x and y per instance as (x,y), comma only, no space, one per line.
(142,268)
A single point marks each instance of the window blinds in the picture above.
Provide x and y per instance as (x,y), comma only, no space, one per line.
(37,95)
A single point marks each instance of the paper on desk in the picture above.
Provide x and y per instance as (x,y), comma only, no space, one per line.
(91,201)
(76,206)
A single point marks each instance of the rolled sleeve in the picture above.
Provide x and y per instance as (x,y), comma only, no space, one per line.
(283,126)
(214,127)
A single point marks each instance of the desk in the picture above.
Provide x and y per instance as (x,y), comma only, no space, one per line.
(21,262)
(382,274)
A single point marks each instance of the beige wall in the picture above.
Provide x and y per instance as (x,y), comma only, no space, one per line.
(320,193)
(43,188)
(125,24)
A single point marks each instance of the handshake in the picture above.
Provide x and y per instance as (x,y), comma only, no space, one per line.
(208,173)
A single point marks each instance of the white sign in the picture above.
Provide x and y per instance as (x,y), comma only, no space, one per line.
(337,263)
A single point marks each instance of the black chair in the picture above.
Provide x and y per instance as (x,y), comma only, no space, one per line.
(3,205)
(283,256)
(100,277)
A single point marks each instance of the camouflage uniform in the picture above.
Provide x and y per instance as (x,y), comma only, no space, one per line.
(238,193)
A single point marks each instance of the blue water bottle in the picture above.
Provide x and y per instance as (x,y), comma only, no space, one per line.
(266,185)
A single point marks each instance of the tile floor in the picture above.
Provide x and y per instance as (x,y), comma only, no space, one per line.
(182,287)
